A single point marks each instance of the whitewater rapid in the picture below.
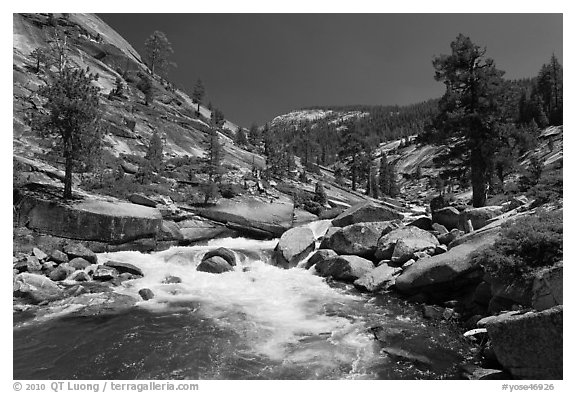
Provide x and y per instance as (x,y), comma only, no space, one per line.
(291,316)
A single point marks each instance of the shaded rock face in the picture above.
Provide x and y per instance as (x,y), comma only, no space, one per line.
(318,256)
(424,223)
(36,288)
(528,345)
(110,222)
(143,200)
(347,268)
(377,279)
(214,264)
(414,239)
(479,216)
(366,212)
(358,239)
(294,245)
(451,269)
(447,216)
(224,253)
(547,288)
(506,295)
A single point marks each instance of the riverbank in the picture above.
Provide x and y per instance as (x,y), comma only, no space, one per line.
(399,258)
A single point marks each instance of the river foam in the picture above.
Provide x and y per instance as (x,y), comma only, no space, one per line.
(288,316)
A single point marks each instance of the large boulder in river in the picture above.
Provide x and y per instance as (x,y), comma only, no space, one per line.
(294,245)
(90,219)
(379,278)
(318,256)
(415,239)
(196,228)
(36,288)
(222,252)
(366,212)
(346,268)
(214,264)
(450,270)
(479,216)
(358,239)
(447,216)
(528,345)
(246,213)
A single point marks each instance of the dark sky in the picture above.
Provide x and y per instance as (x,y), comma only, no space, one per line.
(257,66)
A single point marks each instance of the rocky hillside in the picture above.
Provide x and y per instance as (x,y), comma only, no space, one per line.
(128,122)
(298,117)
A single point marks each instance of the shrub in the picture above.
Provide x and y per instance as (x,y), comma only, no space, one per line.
(525,246)
(548,188)
(230,190)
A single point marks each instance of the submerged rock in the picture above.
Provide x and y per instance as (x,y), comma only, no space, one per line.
(171,280)
(366,212)
(346,268)
(214,264)
(146,294)
(294,245)
(224,253)
(124,267)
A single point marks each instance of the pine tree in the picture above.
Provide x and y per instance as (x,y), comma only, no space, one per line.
(549,86)
(469,108)
(157,51)
(241,137)
(40,57)
(72,117)
(394,188)
(154,152)
(320,194)
(213,158)
(145,86)
(383,177)
(198,94)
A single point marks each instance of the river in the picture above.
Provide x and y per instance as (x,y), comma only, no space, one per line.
(256,322)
